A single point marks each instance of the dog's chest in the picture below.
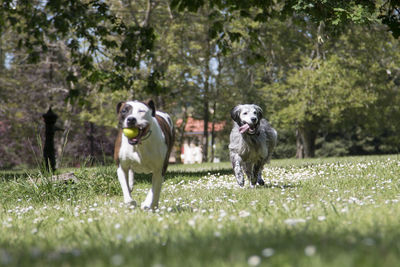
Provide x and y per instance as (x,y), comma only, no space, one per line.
(253,150)
(140,160)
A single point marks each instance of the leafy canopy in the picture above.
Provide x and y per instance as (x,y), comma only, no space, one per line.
(95,34)
(90,29)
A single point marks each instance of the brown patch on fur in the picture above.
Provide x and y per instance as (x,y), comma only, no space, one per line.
(169,135)
(117,147)
(120,105)
(121,116)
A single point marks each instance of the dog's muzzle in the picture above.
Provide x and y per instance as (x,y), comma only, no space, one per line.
(247,128)
(144,132)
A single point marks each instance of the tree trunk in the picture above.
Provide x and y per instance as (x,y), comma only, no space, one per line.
(206,120)
(181,136)
(299,146)
(308,137)
(2,56)
(206,99)
(91,143)
(213,137)
(216,97)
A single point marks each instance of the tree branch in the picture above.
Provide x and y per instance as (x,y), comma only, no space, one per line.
(151,4)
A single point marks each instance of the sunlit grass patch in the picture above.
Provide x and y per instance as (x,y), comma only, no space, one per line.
(331,212)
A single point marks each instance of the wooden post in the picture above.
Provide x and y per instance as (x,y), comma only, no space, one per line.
(49,155)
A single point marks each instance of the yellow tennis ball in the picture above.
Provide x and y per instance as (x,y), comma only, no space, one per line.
(131,132)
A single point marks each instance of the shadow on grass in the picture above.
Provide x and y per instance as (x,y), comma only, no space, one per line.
(280,186)
(16,175)
(196,171)
(110,175)
(287,247)
(184,174)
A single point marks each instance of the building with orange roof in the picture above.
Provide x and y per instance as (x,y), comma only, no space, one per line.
(193,138)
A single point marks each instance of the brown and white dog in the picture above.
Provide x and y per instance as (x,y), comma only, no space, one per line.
(148,152)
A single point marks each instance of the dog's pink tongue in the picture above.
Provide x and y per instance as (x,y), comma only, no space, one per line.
(244,128)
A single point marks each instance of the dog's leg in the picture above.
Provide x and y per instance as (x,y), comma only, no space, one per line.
(258,173)
(123,180)
(237,168)
(249,169)
(131,180)
(153,195)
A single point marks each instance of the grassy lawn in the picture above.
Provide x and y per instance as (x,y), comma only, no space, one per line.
(320,212)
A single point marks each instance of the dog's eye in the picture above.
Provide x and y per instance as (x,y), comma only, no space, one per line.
(123,111)
(142,111)
(244,113)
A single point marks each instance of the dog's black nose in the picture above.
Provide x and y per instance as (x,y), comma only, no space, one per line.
(131,120)
(254,119)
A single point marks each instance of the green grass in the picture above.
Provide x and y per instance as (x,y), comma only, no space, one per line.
(319,212)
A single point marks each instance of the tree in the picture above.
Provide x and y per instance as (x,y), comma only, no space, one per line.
(278,54)
(335,14)
(91,28)
(339,88)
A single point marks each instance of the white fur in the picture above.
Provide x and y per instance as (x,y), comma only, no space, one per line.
(146,157)
(248,114)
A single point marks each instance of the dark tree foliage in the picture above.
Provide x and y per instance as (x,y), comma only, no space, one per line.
(336,14)
(89,28)
(390,16)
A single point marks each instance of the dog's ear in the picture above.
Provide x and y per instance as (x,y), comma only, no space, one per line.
(259,112)
(119,106)
(235,112)
(152,106)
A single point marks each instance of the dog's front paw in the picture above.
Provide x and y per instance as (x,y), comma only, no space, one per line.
(240,182)
(128,200)
(253,182)
(147,206)
(131,203)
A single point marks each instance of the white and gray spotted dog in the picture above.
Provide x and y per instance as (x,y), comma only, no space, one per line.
(252,141)
(148,152)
